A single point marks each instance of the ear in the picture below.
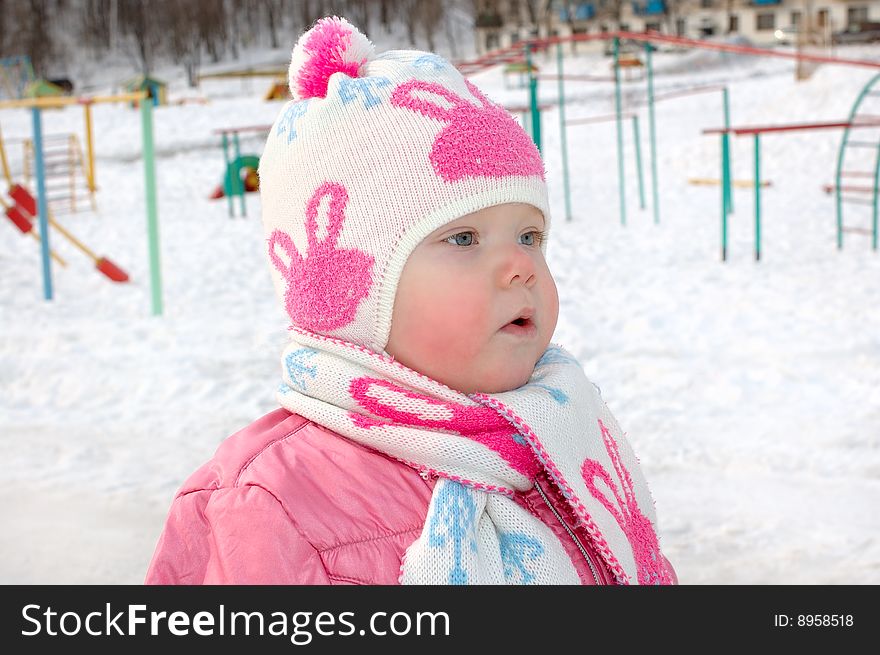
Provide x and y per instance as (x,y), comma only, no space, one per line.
(279,239)
(335,212)
(478,94)
(403,97)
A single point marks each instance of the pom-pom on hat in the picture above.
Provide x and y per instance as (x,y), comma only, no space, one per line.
(372,154)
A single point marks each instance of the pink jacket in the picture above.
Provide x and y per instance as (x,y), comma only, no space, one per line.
(286,501)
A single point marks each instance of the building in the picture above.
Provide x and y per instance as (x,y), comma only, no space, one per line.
(502,23)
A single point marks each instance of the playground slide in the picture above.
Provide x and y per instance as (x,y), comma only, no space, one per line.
(244,169)
(25,211)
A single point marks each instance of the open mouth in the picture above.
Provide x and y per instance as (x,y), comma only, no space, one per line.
(522,326)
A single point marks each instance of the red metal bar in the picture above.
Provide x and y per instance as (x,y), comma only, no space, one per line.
(739,131)
(656,37)
(828,188)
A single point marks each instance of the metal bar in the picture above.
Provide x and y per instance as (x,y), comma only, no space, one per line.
(90,148)
(226,171)
(617,107)
(152,206)
(635,124)
(563,137)
(237,182)
(533,100)
(653,135)
(725,101)
(42,202)
(757,197)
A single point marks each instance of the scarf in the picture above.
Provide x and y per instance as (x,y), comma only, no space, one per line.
(483,449)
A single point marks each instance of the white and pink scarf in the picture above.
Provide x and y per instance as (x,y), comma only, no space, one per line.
(484,448)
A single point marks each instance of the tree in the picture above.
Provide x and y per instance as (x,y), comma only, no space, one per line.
(137,21)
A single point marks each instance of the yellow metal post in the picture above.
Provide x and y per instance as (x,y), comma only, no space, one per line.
(90,147)
(3,161)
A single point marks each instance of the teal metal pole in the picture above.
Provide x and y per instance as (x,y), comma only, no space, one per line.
(652,130)
(619,121)
(237,181)
(724,172)
(757,196)
(562,133)
(874,210)
(42,202)
(152,213)
(726,149)
(639,161)
(533,99)
(227,167)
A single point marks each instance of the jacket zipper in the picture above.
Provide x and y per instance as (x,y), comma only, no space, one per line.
(570,533)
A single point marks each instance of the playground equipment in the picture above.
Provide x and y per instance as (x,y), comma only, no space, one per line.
(156,90)
(756,132)
(241,175)
(25,224)
(64,162)
(278,90)
(16,74)
(241,170)
(40,203)
(509,54)
(859,159)
(26,209)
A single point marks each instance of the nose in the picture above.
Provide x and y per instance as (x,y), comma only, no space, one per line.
(516,266)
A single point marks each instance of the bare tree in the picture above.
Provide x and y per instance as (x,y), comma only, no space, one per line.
(429,15)
(137,21)
(273,9)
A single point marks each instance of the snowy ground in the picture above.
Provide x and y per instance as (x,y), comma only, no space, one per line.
(750,391)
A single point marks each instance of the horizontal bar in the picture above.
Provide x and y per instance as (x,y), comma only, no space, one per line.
(740,131)
(597,119)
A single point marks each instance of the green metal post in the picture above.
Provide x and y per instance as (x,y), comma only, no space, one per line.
(874,197)
(639,161)
(42,202)
(724,205)
(226,167)
(617,110)
(726,150)
(562,132)
(651,129)
(533,99)
(237,181)
(152,213)
(757,196)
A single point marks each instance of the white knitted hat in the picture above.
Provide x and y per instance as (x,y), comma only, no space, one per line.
(372,154)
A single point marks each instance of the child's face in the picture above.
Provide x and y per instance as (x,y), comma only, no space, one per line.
(459,291)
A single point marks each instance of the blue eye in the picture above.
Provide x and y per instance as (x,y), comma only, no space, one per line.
(533,238)
(462,239)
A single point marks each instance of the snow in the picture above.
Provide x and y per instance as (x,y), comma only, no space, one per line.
(750,390)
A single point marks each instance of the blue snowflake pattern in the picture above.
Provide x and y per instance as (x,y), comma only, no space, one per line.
(432,61)
(297,367)
(554,355)
(286,124)
(351,88)
(556,394)
(453,519)
(517,550)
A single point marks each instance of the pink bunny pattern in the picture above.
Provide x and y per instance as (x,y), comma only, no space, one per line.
(325,286)
(480,141)
(635,525)
(481,424)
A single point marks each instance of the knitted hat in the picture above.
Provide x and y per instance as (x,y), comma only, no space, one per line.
(372,154)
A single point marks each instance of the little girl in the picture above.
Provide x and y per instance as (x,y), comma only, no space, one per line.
(428,431)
